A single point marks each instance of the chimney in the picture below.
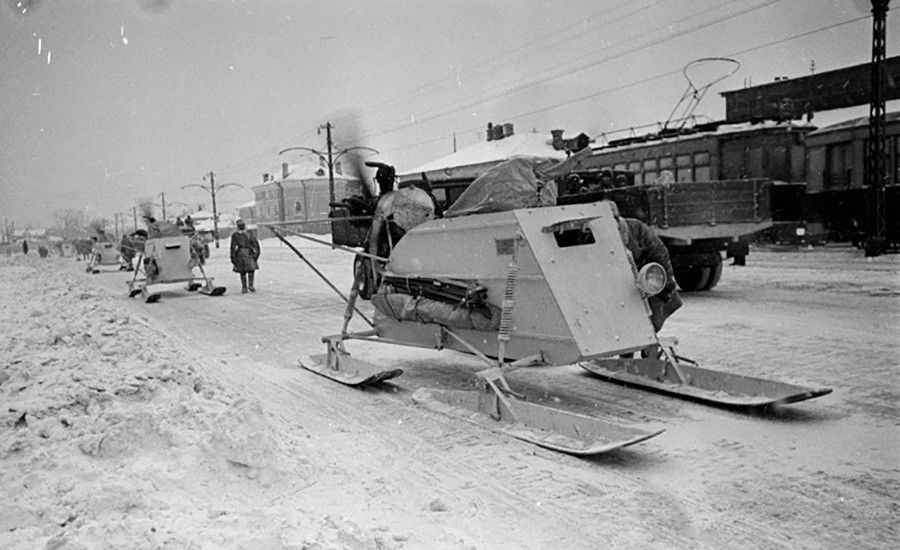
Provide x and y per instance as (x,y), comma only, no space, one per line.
(508,129)
(284,171)
(498,132)
(558,142)
(265,178)
(490,132)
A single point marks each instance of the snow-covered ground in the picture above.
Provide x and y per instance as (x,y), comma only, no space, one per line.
(187,423)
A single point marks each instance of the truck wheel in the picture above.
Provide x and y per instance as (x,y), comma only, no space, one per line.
(692,278)
(715,274)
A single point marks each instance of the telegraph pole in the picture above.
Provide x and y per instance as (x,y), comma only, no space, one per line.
(212,191)
(163,196)
(330,162)
(329,156)
(134,213)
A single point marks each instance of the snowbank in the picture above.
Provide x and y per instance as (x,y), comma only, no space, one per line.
(111,435)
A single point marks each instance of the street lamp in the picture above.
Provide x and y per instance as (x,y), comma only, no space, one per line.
(328,157)
(212,190)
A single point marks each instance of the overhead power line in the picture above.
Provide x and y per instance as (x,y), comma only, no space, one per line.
(430,117)
(578,68)
(492,62)
(643,80)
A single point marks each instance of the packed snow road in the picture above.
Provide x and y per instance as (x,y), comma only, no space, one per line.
(823,473)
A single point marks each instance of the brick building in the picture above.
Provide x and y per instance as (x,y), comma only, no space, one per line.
(300,193)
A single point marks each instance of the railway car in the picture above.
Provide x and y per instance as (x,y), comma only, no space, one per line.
(839,200)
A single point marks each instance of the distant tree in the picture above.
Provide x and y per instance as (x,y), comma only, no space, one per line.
(71,223)
(98,227)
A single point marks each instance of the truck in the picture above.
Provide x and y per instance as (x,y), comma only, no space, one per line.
(699,222)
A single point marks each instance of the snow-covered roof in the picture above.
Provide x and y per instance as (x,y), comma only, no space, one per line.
(855,123)
(29,232)
(249,204)
(206,223)
(310,168)
(722,129)
(201,215)
(527,145)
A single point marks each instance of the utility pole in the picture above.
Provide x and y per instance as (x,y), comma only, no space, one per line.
(134,213)
(330,162)
(163,196)
(212,190)
(330,157)
(877,146)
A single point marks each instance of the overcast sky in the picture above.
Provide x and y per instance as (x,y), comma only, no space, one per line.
(108,101)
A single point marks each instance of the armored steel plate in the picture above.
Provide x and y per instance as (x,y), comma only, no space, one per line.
(590,276)
(709,386)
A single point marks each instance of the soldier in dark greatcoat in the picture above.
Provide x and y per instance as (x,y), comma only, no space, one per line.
(244,256)
(645,246)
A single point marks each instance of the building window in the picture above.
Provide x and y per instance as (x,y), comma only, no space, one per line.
(701,173)
(635,168)
(298,207)
(619,167)
(666,163)
(839,165)
(701,167)
(778,165)
(683,164)
(650,164)
(755,162)
(337,167)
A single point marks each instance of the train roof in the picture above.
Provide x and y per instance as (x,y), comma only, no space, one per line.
(701,131)
(860,122)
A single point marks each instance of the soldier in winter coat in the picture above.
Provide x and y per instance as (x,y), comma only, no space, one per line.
(645,246)
(244,256)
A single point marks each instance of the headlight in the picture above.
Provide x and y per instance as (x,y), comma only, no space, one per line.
(652,278)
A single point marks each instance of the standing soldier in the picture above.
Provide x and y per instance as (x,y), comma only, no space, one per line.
(127,252)
(244,256)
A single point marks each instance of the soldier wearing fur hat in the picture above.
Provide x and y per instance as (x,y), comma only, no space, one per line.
(244,256)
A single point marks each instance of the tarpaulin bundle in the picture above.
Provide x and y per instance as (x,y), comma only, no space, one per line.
(507,186)
(404,307)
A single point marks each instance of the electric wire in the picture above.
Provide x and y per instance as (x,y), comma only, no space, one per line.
(578,68)
(642,81)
